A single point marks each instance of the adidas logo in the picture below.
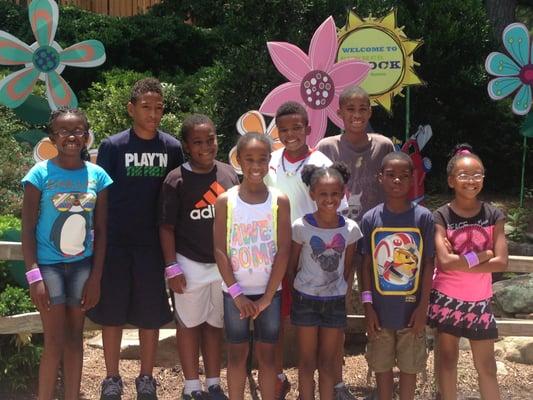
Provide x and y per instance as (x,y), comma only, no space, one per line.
(205,208)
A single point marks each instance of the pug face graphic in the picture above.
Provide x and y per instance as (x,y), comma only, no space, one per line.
(328,255)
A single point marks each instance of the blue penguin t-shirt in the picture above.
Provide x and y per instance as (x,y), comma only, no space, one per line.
(64,231)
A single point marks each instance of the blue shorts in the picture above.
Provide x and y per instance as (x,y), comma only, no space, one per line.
(266,325)
(65,281)
(311,311)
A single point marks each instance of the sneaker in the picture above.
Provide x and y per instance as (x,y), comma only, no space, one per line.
(197,395)
(216,393)
(111,388)
(283,387)
(146,388)
(343,393)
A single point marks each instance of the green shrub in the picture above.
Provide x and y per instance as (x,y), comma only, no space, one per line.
(15,300)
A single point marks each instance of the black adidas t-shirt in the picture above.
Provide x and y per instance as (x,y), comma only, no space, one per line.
(137,167)
(187,202)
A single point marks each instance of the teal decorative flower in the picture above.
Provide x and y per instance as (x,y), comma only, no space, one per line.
(513,76)
(44,59)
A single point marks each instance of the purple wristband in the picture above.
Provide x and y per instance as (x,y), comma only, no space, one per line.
(173,270)
(34,275)
(471,259)
(234,290)
(366,297)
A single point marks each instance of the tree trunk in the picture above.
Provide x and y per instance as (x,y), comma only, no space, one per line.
(501,13)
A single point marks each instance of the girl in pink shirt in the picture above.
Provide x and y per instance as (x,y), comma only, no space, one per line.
(470,245)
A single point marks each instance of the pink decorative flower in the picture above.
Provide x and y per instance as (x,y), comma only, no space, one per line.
(315,80)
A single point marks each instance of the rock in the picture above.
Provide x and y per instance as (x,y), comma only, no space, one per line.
(516,349)
(464,344)
(501,369)
(513,295)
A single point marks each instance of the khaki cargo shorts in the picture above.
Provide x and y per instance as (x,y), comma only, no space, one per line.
(397,347)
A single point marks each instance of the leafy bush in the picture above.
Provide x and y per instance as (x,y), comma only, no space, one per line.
(15,300)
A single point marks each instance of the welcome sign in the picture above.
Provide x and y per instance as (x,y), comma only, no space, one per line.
(388,51)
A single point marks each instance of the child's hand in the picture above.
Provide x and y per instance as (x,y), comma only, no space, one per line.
(372,320)
(449,247)
(91,293)
(39,296)
(177,284)
(417,323)
(261,304)
(247,307)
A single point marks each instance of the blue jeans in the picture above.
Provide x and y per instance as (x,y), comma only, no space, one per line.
(266,325)
(325,313)
(65,281)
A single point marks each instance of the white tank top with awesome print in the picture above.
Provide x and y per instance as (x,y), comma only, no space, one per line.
(251,240)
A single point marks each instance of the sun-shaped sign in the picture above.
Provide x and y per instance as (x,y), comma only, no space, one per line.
(386,48)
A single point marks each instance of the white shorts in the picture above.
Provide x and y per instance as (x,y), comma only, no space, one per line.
(201,301)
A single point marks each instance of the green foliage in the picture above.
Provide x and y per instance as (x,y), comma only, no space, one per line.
(518,219)
(19,363)
(15,300)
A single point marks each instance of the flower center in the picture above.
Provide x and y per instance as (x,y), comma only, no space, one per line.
(46,59)
(317,89)
(526,74)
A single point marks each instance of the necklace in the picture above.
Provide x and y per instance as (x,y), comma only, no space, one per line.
(291,173)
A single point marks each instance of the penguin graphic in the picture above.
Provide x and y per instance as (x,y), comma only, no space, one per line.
(71,231)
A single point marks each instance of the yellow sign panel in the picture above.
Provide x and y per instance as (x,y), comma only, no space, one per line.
(386,48)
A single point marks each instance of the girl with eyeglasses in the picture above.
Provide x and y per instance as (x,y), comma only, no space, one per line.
(63,242)
(470,244)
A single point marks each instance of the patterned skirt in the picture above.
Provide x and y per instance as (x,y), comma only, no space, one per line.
(470,319)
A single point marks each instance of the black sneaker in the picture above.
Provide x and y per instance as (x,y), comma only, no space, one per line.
(195,395)
(146,387)
(216,393)
(111,388)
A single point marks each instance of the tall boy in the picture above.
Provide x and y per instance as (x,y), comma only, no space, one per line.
(133,284)
(398,250)
(363,153)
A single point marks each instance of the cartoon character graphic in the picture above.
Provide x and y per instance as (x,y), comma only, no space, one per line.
(328,255)
(396,261)
(354,206)
(71,231)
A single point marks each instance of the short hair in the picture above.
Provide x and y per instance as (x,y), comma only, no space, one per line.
(397,155)
(291,108)
(251,136)
(460,151)
(54,115)
(311,174)
(351,92)
(191,121)
(144,86)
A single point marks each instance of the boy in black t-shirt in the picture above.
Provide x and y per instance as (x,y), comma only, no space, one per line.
(186,216)
(133,286)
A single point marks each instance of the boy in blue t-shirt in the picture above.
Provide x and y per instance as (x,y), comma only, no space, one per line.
(398,250)
(133,283)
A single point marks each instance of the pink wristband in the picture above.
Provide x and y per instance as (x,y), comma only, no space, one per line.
(235,290)
(34,275)
(173,270)
(471,259)
(366,297)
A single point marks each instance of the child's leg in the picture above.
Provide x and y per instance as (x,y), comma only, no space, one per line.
(381,358)
(407,386)
(485,363)
(411,357)
(237,355)
(329,341)
(266,359)
(54,340)
(307,360)
(148,339)
(111,338)
(73,352)
(211,339)
(189,350)
(448,357)
(385,384)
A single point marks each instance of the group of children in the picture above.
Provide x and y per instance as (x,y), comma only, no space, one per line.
(285,241)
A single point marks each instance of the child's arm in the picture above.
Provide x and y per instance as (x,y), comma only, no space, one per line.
(30,215)
(168,246)
(292,266)
(449,261)
(246,307)
(498,262)
(372,320)
(420,313)
(91,290)
(279,266)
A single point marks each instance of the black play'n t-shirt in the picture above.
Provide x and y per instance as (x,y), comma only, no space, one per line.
(137,167)
(187,202)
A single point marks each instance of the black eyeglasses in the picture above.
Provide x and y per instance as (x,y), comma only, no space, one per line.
(65,133)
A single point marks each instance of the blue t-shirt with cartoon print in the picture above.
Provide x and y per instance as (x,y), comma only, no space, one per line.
(64,231)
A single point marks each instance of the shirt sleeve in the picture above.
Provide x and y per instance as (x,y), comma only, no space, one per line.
(35,176)
(355,233)
(497,214)
(169,201)
(104,180)
(428,234)
(364,243)
(297,234)
(438,218)
(105,157)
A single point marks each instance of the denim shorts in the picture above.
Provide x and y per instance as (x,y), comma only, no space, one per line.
(266,325)
(65,281)
(311,311)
